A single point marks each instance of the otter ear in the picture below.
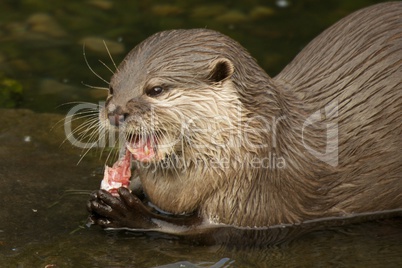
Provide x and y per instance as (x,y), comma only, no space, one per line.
(222,69)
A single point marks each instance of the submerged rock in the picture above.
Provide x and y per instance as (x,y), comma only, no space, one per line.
(45,24)
(101,4)
(208,11)
(232,16)
(166,10)
(260,12)
(101,45)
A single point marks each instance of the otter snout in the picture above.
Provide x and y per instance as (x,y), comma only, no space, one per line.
(116,120)
(135,108)
(116,116)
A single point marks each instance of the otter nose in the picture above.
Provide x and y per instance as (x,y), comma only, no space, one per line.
(117,117)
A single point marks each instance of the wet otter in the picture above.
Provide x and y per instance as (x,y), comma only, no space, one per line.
(216,141)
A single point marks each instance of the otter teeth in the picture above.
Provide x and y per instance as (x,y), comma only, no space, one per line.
(130,148)
(143,149)
(146,150)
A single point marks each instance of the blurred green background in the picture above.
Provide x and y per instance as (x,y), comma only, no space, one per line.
(41,42)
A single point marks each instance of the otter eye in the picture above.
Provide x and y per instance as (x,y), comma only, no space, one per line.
(154,91)
(111,90)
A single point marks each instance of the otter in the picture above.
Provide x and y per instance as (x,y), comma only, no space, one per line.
(215,141)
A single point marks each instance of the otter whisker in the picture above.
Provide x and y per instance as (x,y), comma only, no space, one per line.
(112,151)
(83,129)
(90,68)
(71,117)
(95,106)
(110,56)
(94,87)
(87,127)
(84,154)
(107,67)
(82,114)
(94,109)
(173,162)
(183,155)
(90,126)
(92,139)
(92,121)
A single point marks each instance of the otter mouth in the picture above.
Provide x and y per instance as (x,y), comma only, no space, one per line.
(144,148)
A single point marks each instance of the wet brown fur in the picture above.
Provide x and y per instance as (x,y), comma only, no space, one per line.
(356,64)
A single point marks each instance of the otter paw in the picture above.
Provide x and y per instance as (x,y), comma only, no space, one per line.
(123,211)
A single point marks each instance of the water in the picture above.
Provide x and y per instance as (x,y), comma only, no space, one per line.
(42,189)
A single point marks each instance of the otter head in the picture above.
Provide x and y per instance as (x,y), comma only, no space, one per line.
(177,97)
